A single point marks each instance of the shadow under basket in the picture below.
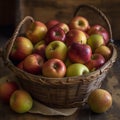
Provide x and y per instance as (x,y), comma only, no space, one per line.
(64,92)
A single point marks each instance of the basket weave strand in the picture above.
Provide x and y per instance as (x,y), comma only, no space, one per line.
(60,92)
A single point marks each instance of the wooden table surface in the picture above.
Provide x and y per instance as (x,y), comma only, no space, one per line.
(111,83)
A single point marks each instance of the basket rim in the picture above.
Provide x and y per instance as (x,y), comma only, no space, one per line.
(67,80)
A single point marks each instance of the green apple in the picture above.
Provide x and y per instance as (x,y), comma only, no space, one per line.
(76,69)
(99,100)
(105,51)
(21,101)
(56,49)
(95,41)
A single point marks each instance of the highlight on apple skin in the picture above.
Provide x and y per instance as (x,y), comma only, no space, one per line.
(100,100)
(79,53)
(56,49)
(21,101)
(76,69)
(21,48)
(6,90)
(54,68)
(36,31)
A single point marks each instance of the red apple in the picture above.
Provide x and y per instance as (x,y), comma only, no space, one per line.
(51,23)
(80,53)
(33,64)
(75,35)
(97,60)
(21,101)
(105,51)
(56,49)
(54,68)
(79,22)
(55,33)
(99,29)
(100,100)
(39,48)
(21,48)
(36,31)
(63,26)
(6,90)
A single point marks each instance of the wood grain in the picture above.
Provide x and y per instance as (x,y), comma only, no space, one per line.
(62,10)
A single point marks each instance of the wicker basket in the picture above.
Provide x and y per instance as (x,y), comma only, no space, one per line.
(61,92)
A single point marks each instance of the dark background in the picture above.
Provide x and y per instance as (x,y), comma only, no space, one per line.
(12,11)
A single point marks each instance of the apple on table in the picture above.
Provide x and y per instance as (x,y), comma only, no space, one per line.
(6,90)
(21,101)
(100,100)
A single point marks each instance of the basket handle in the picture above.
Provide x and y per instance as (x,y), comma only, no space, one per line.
(12,39)
(99,12)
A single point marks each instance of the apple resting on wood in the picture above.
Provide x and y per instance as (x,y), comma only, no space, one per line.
(100,100)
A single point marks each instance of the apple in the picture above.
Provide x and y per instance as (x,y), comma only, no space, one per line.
(54,68)
(75,35)
(21,48)
(79,22)
(100,100)
(6,90)
(51,23)
(33,64)
(55,33)
(80,53)
(105,51)
(97,60)
(76,69)
(21,101)
(95,41)
(20,65)
(36,31)
(56,49)
(99,29)
(63,26)
(39,48)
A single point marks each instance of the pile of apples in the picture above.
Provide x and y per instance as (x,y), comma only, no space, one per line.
(57,49)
